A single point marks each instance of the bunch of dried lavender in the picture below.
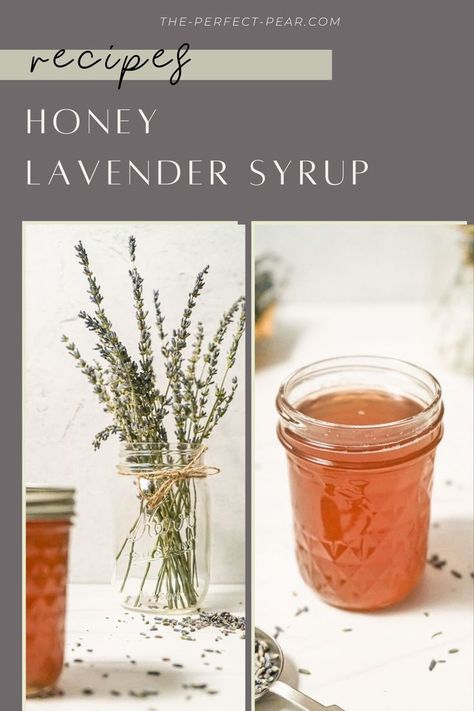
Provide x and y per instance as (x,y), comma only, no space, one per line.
(197,395)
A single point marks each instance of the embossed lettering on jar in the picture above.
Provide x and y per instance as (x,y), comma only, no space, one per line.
(162,560)
(360,435)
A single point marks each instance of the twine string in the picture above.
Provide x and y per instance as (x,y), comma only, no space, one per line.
(165,477)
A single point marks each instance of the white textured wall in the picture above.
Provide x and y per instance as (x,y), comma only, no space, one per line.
(61,414)
(361,261)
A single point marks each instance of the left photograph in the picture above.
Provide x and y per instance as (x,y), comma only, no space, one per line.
(134,465)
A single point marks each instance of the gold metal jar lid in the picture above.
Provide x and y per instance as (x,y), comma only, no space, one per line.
(43,502)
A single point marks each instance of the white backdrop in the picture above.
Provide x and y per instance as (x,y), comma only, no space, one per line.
(362,261)
(61,413)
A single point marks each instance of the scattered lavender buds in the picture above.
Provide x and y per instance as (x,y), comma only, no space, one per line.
(49,693)
(224,623)
(142,694)
(434,662)
(278,631)
(436,562)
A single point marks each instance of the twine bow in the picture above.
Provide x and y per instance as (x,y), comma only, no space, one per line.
(170,476)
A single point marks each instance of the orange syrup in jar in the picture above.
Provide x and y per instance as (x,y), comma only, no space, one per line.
(360,463)
(47,543)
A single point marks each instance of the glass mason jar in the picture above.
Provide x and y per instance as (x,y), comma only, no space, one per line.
(162,560)
(48,521)
(361,492)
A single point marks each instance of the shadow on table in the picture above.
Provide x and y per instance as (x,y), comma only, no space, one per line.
(451,540)
(272,702)
(122,681)
(230,598)
(279,346)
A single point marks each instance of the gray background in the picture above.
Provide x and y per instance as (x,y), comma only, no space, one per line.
(401,98)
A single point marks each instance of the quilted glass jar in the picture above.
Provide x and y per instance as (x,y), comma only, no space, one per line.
(360,434)
(48,521)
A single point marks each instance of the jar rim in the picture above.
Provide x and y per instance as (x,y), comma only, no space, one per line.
(168,447)
(291,414)
(140,457)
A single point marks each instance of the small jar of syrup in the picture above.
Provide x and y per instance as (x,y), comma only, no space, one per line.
(360,434)
(49,511)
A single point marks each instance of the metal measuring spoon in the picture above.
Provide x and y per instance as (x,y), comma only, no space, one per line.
(276,686)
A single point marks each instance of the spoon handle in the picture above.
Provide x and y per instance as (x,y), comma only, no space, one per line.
(299,699)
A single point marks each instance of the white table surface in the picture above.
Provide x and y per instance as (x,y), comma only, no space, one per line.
(381,664)
(107,634)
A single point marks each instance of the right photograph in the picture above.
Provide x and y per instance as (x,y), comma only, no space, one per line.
(363,466)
